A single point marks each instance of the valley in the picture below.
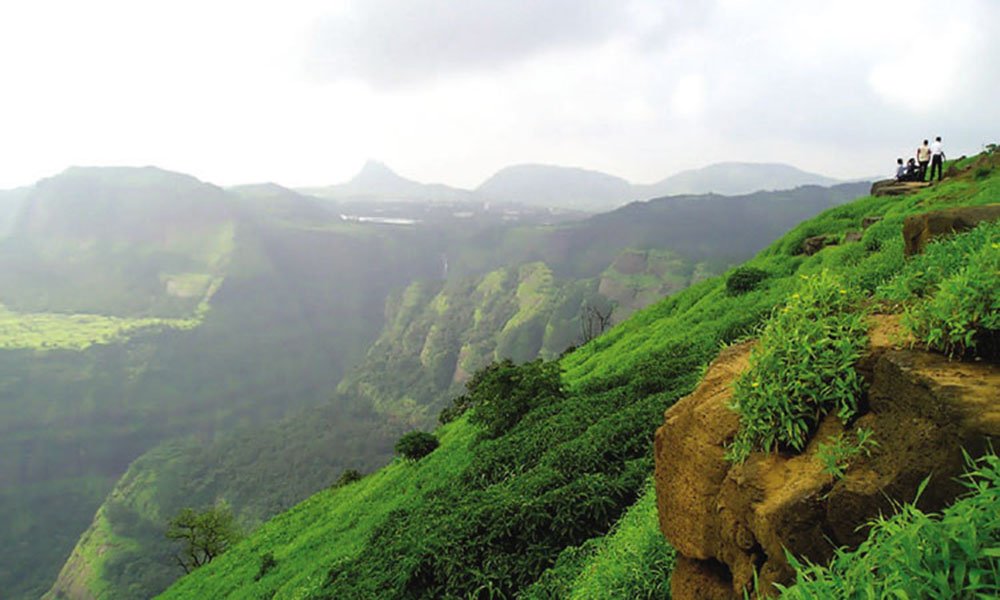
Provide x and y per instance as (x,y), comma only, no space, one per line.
(195,327)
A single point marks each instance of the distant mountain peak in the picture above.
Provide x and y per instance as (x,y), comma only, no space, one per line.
(376,172)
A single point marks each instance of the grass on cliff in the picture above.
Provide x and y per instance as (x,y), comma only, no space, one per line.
(913,554)
(558,507)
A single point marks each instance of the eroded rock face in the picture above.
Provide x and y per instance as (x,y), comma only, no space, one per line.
(892,187)
(729,521)
(920,229)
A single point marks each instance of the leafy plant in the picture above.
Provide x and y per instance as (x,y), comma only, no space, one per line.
(802,369)
(913,554)
(416,445)
(963,316)
(744,279)
(838,453)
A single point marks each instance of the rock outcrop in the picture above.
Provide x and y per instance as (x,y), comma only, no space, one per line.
(892,187)
(729,521)
(814,244)
(920,229)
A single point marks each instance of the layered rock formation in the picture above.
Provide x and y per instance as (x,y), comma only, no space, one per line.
(920,229)
(731,521)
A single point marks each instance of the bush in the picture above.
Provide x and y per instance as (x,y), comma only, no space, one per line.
(963,316)
(416,445)
(348,477)
(801,370)
(744,279)
(503,392)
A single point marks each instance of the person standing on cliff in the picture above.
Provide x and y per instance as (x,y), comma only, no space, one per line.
(923,159)
(937,158)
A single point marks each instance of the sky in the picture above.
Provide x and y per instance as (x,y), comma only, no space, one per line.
(303,92)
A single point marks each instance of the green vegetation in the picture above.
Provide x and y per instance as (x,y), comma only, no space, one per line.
(744,279)
(203,535)
(913,554)
(347,477)
(501,394)
(557,506)
(632,561)
(802,368)
(416,445)
(963,315)
(836,454)
(56,331)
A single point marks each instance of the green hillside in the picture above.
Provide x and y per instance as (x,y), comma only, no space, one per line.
(559,504)
(436,334)
(135,318)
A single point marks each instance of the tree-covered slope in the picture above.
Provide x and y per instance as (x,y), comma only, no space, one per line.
(131,322)
(303,293)
(435,335)
(529,512)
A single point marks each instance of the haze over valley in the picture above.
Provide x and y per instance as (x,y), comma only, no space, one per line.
(435,299)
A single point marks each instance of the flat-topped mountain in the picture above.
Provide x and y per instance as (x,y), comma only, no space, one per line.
(730,178)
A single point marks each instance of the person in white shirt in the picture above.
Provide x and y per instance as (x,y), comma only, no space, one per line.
(900,169)
(937,158)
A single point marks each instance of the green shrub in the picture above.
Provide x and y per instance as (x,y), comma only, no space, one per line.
(744,279)
(416,445)
(267,562)
(837,454)
(963,316)
(912,554)
(923,274)
(347,477)
(502,393)
(801,370)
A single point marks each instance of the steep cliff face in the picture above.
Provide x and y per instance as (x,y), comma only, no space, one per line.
(732,521)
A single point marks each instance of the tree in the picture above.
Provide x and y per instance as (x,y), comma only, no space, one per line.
(594,320)
(416,445)
(203,535)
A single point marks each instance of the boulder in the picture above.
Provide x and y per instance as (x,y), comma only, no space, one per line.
(891,187)
(729,522)
(869,221)
(814,244)
(852,236)
(920,229)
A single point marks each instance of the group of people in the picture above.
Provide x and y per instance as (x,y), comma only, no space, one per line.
(915,169)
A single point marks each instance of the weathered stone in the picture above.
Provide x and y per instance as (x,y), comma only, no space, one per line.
(700,579)
(891,187)
(869,221)
(690,450)
(852,236)
(730,521)
(920,229)
(814,244)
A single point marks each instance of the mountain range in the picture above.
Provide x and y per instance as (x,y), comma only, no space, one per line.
(571,188)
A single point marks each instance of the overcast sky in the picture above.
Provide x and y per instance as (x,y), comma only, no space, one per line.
(302,92)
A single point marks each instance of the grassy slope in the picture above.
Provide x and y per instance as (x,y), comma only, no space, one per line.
(695,321)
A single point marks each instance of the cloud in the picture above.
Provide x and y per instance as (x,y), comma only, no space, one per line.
(388,43)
